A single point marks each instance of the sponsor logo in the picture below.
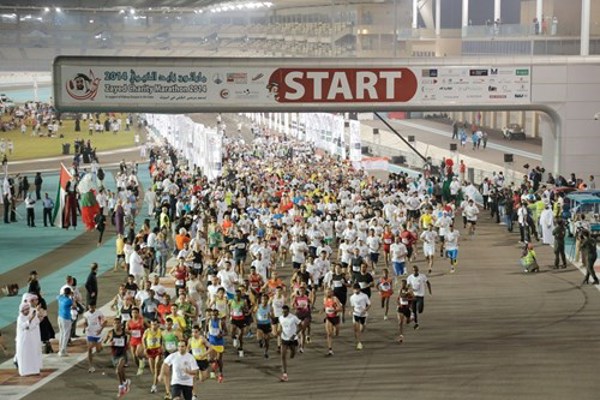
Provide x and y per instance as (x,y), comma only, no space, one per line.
(83,86)
(522,72)
(224,93)
(498,96)
(238,78)
(343,85)
(258,77)
(520,96)
(217,79)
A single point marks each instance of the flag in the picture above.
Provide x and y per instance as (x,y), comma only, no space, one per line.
(59,204)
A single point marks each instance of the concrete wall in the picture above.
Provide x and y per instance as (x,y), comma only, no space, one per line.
(573,91)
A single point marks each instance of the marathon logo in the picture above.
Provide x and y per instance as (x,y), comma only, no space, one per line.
(369,85)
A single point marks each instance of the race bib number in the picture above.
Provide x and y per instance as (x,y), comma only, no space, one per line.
(363,284)
(171,346)
(337,284)
(136,333)
(119,342)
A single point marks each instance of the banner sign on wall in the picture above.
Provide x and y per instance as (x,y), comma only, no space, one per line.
(178,85)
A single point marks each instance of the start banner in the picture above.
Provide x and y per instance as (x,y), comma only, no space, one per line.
(177,85)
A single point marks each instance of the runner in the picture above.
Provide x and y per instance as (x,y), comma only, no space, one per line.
(216,338)
(264,313)
(374,244)
(360,305)
(277,302)
(385,287)
(471,212)
(200,348)
(184,368)
(118,342)
(405,298)
(332,308)
(152,343)
(429,238)
(452,238)
(94,322)
(418,282)
(238,309)
(290,327)
(340,285)
(135,329)
(387,239)
(398,253)
(302,305)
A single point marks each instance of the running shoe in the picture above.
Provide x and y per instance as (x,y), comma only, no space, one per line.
(452,270)
(307,339)
(249,334)
(213,375)
(167,396)
(122,391)
(91,370)
(430,270)
(241,353)
(127,385)
(220,378)
(284,378)
(194,397)
(385,317)
(416,326)
(301,349)
(266,355)
(140,371)
(359,346)
(330,352)
(236,342)
(153,389)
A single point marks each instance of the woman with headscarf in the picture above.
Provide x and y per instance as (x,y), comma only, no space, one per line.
(29,349)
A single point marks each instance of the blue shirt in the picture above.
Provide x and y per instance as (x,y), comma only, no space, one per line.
(64,306)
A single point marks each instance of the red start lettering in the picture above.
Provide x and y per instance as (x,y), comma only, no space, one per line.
(348,85)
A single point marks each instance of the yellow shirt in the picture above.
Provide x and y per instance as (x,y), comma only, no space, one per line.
(426,220)
(199,348)
(152,340)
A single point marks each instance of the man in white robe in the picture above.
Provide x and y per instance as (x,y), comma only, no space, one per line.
(28,339)
(547,224)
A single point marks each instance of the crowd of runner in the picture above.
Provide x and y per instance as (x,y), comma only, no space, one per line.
(287,238)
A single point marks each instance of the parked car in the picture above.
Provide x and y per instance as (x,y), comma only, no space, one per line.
(513,131)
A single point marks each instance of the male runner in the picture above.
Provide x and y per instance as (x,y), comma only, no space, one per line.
(290,327)
(360,305)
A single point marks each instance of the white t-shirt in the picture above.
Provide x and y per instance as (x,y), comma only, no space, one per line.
(373,243)
(228,280)
(94,323)
(471,212)
(298,250)
(359,303)
(452,240)
(429,237)
(180,363)
(398,252)
(418,284)
(289,326)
